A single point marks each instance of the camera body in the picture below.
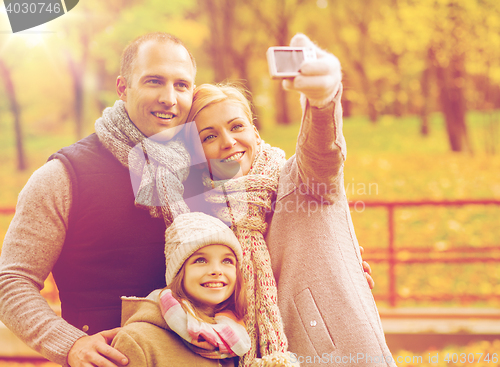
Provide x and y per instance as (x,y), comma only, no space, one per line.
(284,62)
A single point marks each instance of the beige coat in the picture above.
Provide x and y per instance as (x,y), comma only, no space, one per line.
(329,313)
(147,341)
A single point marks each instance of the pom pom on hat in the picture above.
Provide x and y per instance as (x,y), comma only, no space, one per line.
(191,231)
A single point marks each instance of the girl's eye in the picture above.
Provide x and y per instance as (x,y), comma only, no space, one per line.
(228,261)
(200,260)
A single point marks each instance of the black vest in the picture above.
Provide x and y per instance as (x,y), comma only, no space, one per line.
(112,248)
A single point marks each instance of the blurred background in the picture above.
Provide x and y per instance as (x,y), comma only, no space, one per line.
(422,123)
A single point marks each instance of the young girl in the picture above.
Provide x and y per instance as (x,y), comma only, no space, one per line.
(197,318)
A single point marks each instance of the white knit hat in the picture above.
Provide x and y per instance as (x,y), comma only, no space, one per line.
(191,231)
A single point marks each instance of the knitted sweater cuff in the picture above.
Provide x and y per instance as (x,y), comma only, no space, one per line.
(57,348)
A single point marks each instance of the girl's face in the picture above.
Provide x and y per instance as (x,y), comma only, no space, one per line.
(228,138)
(210,275)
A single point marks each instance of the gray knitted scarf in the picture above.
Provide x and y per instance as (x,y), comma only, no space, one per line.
(157,169)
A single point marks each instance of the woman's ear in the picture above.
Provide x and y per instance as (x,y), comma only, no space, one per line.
(259,140)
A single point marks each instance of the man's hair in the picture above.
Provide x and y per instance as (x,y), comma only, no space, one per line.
(129,55)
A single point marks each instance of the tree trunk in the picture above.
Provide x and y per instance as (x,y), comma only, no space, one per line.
(450,81)
(77,71)
(425,85)
(219,30)
(16,113)
(282,114)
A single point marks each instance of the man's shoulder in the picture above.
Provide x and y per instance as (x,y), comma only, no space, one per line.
(86,155)
(90,143)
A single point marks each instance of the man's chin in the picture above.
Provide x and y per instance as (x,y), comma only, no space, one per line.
(166,134)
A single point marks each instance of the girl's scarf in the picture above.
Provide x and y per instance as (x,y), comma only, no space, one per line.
(244,202)
(225,339)
(157,169)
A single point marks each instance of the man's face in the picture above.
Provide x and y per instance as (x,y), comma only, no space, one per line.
(159,95)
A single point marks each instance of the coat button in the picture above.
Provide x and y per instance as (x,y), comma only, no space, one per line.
(85,328)
(313,323)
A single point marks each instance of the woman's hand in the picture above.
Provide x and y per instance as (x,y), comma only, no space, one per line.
(319,79)
(368,270)
(94,350)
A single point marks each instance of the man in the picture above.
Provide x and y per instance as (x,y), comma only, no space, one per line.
(76,216)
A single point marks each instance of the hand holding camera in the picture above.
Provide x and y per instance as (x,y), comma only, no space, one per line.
(316,73)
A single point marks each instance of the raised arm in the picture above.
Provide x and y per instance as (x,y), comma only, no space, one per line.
(321,148)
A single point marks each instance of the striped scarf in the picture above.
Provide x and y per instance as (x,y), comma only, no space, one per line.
(244,202)
(226,338)
(160,167)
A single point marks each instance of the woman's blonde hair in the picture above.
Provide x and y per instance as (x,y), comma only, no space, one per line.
(209,94)
(237,302)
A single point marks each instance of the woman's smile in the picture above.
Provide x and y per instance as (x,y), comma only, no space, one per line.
(227,138)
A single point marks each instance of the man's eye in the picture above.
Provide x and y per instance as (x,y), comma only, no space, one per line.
(183,85)
(154,81)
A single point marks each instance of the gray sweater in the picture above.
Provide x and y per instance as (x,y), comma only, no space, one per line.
(31,247)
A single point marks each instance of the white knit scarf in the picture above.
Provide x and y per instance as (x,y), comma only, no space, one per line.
(244,202)
(162,167)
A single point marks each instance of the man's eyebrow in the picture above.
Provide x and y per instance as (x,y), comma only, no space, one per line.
(153,76)
(211,127)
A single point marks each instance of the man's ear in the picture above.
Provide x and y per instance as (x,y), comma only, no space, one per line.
(121,88)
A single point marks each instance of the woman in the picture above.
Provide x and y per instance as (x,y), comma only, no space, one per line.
(328,311)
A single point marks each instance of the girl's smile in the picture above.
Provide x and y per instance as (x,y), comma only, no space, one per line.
(210,275)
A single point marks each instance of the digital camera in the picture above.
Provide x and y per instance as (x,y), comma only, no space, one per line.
(285,62)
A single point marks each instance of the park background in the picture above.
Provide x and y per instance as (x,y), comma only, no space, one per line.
(422,123)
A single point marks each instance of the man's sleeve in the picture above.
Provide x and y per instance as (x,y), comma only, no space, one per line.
(31,247)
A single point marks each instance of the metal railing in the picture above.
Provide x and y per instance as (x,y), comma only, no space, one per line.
(410,255)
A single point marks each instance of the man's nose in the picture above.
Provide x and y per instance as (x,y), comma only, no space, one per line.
(168,96)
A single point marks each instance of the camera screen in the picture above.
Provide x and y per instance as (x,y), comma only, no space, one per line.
(288,60)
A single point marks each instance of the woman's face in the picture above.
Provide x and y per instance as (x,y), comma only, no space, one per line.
(228,138)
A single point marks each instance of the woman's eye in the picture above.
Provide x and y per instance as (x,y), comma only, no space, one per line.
(208,137)
(237,127)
